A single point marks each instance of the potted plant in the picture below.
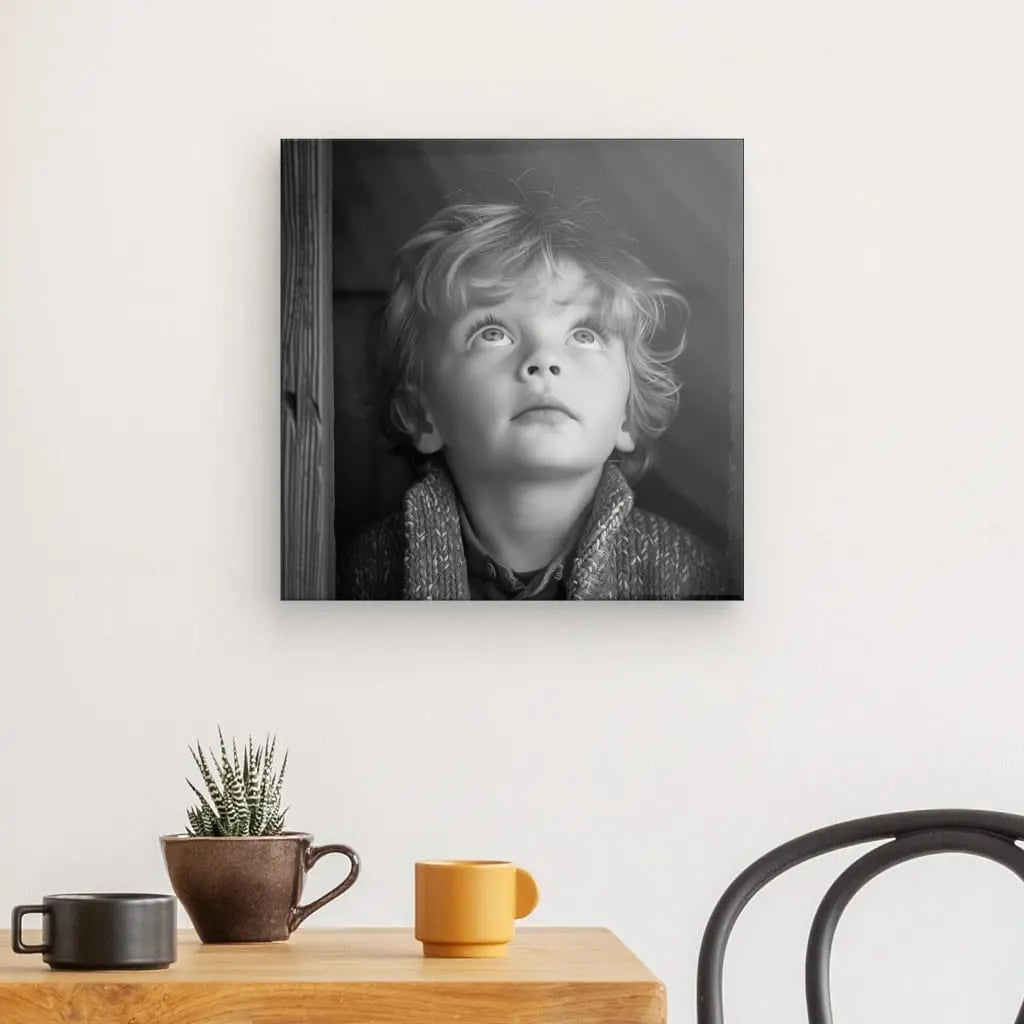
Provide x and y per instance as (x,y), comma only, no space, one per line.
(238,874)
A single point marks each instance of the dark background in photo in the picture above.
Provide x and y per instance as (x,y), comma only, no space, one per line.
(682,204)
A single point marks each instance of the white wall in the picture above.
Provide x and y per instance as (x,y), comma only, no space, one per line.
(635,758)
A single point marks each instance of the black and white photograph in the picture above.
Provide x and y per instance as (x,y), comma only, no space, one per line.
(512,369)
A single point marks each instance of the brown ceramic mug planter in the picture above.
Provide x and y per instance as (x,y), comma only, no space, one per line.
(247,888)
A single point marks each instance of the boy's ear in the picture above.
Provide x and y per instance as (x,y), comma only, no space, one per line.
(624,440)
(426,438)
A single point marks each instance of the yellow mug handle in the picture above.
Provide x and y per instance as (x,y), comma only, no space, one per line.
(526,893)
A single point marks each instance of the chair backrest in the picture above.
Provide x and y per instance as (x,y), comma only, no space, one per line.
(990,834)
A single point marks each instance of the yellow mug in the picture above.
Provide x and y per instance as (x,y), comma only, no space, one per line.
(468,908)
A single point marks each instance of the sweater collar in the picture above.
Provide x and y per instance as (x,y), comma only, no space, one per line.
(593,575)
(435,562)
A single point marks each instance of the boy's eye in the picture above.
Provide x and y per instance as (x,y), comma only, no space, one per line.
(489,336)
(586,336)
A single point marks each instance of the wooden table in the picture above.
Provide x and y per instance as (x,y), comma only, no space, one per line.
(347,976)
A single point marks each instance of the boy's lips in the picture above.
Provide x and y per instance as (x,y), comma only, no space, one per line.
(546,404)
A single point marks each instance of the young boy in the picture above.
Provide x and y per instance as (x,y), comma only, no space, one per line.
(518,369)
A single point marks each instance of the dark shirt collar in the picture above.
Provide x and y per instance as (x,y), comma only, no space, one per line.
(435,553)
(491,579)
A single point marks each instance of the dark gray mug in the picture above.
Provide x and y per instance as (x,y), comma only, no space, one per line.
(102,931)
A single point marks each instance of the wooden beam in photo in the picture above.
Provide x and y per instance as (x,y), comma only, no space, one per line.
(307,373)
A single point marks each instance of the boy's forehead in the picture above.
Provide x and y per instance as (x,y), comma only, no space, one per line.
(567,285)
(564,285)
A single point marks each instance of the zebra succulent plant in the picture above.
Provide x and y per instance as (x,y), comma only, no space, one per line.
(244,798)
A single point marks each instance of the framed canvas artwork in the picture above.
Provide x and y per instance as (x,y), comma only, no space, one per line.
(512,370)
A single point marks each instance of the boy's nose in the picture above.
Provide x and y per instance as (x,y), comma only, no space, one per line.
(537,367)
(540,361)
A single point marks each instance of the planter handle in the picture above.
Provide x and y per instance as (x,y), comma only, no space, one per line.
(312,855)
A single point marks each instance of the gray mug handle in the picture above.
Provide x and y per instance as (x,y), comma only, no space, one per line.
(16,917)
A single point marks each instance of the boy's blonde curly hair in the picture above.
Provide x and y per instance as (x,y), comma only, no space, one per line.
(473,253)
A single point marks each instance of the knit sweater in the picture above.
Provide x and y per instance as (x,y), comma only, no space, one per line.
(624,553)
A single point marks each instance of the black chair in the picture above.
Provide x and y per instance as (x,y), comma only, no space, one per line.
(990,834)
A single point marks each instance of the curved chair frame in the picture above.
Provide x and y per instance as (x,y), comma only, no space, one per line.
(989,834)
